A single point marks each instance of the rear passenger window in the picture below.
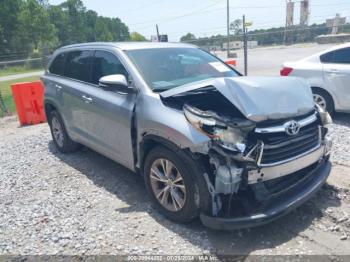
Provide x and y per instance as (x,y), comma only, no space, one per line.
(342,56)
(327,58)
(104,64)
(78,65)
(57,66)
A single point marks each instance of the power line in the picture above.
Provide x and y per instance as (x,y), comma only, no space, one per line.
(256,34)
(144,6)
(175,17)
(224,27)
(204,10)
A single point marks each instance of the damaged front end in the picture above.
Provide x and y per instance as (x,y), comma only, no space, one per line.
(258,172)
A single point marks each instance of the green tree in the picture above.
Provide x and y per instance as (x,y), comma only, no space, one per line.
(236,27)
(9,12)
(188,37)
(75,21)
(35,25)
(136,37)
(61,21)
(90,25)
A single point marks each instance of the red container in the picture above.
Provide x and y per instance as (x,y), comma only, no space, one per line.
(29,101)
(231,62)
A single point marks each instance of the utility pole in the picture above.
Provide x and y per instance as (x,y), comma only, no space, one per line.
(158,37)
(228,28)
(245,45)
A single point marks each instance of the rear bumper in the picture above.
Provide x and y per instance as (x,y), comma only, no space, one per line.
(295,197)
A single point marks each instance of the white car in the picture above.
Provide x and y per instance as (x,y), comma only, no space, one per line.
(328,73)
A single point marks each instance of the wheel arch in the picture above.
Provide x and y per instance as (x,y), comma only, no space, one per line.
(200,162)
(151,141)
(322,89)
(49,107)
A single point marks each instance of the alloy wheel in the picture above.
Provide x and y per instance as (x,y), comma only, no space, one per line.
(167,185)
(57,131)
(320,100)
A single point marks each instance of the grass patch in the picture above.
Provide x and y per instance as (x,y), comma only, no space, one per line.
(17,70)
(5,89)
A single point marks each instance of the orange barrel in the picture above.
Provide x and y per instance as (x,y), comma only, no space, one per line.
(231,62)
(29,102)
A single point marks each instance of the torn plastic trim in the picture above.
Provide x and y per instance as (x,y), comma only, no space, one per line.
(297,194)
(216,201)
(230,172)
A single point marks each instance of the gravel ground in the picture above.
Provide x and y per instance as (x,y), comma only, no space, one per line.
(84,203)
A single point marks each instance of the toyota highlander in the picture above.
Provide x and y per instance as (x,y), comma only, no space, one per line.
(235,151)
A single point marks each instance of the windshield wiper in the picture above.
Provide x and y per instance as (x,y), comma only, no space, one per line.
(197,91)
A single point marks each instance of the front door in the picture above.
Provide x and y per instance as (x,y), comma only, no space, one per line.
(108,113)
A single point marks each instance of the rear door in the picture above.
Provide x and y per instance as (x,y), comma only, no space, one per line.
(75,83)
(106,116)
(53,81)
(336,68)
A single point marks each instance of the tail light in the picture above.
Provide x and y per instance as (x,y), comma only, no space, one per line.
(285,71)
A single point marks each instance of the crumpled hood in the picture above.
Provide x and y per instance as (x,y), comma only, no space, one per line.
(259,98)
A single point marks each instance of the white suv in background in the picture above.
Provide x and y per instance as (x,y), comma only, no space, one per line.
(328,73)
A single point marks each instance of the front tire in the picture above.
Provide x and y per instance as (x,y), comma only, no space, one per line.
(59,134)
(171,184)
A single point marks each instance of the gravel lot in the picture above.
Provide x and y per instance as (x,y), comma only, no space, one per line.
(83,203)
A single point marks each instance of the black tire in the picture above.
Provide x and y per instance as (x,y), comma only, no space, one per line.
(326,97)
(187,168)
(66,145)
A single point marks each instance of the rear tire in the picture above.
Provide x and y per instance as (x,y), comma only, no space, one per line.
(59,134)
(183,206)
(323,99)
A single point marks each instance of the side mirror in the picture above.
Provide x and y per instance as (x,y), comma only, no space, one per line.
(115,83)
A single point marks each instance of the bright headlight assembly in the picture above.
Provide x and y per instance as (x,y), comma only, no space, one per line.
(229,137)
(325,117)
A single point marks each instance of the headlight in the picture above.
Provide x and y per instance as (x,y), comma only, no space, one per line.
(228,137)
(325,117)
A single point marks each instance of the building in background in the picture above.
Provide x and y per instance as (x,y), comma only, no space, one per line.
(334,25)
(239,44)
(162,38)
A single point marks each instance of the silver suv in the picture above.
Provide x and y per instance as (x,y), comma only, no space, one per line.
(236,151)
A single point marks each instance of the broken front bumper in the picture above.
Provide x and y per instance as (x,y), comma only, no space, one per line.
(296,195)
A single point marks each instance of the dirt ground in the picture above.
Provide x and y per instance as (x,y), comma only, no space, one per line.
(84,203)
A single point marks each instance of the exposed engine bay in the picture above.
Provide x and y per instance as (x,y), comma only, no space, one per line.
(250,161)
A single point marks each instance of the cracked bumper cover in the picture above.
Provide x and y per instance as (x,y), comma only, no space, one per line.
(295,197)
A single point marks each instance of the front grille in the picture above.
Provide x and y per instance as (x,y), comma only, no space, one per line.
(280,146)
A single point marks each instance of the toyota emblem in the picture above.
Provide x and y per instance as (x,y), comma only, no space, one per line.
(292,128)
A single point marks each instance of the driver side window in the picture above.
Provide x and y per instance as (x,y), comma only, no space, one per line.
(104,64)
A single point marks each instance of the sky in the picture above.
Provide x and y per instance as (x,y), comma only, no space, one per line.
(206,17)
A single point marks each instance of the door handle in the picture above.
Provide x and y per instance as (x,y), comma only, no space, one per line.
(87,99)
(58,87)
(332,71)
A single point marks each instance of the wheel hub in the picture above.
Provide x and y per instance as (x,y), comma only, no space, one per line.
(167,185)
(320,100)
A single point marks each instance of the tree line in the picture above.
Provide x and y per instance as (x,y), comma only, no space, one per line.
(34,27)
(271,36)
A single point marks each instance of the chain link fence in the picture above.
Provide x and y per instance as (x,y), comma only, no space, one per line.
(17,63)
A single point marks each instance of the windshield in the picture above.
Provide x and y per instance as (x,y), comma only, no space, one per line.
(166,68)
